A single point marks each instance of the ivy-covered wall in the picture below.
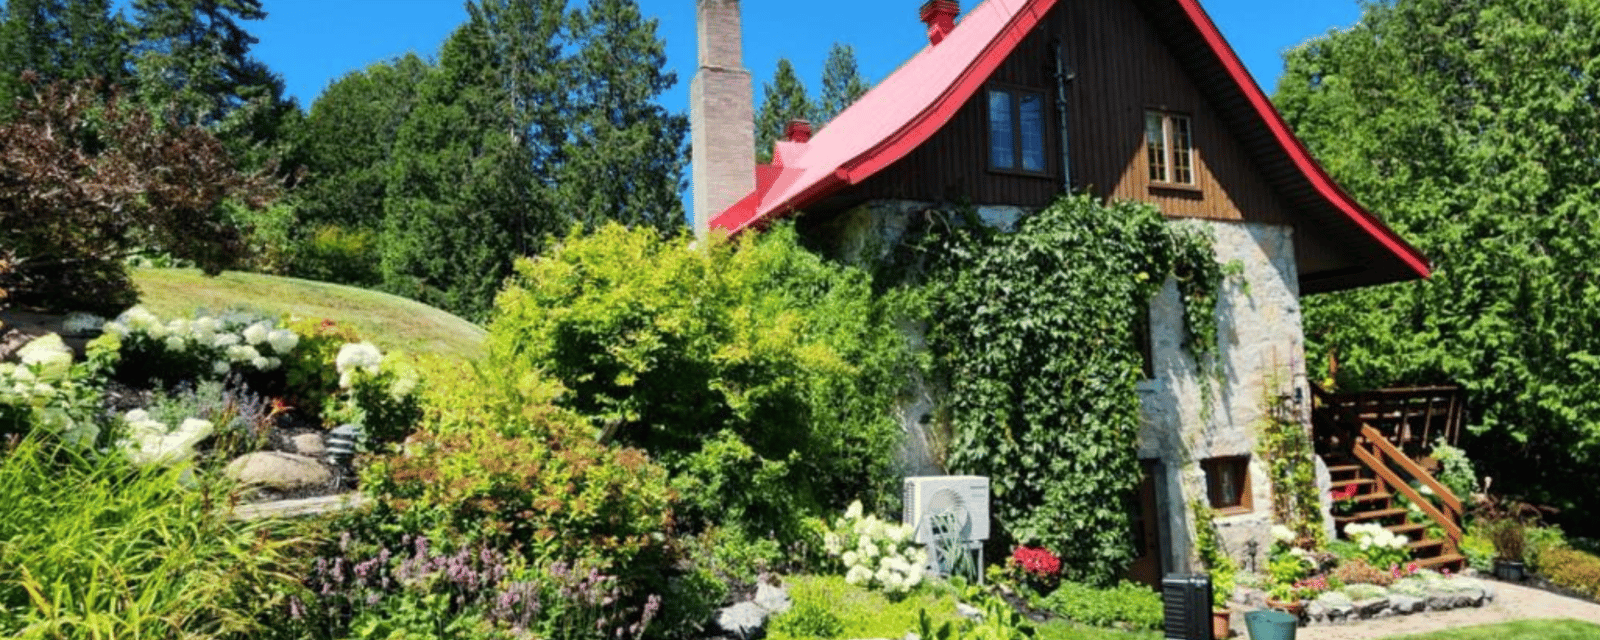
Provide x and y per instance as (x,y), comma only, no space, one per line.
(1262,354)
(1184,420)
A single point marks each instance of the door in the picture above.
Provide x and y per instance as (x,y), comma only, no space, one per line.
(1146,567)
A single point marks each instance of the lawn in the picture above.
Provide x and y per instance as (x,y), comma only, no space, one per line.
(390,321)
(1519,630)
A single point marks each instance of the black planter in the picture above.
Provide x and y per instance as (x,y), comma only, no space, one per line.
(1510,570)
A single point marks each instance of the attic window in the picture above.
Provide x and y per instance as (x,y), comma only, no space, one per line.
(1016,130)
(1169,147)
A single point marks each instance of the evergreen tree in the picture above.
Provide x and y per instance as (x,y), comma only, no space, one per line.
(625,157)
(1469,126)
(59,40)
(347,139)
(460,183)
(782,100)
(842,84)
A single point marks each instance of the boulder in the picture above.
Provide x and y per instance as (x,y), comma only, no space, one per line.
(278,470)
(1371,607)
(745,621)
(772,597)
(310,444)
(1403,604)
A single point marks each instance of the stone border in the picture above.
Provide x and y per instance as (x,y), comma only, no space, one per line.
(1407,597)
(317,505)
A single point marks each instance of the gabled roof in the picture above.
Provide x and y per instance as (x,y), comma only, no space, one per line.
(920,97)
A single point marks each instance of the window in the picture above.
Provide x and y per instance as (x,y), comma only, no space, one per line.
(1228,483)
(1016,130)
(1169,147)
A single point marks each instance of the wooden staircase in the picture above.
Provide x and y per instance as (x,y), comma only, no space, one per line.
(1361,455)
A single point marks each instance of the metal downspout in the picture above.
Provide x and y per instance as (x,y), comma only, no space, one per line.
(1064,75)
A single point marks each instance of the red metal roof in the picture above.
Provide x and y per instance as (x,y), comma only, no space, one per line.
(920,97)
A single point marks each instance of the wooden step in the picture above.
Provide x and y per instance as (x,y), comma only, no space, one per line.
(1369,497)
(1359,482)
(1335,469)
(1408,529)
(1375,514)
(1452,561)
(1425,544)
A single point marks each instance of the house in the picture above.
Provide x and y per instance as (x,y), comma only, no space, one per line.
(1020,101)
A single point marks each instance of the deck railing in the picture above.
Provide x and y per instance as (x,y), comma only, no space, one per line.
(1374,450)
(1410,418)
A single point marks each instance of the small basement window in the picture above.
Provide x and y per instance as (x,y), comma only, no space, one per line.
(1169,147)
(1228,483)
(1016,130)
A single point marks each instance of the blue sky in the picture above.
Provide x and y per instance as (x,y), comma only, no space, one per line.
(314,42)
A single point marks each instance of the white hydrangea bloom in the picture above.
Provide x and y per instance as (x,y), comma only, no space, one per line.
(865,546)
(225,340)
(1282,533)
(854,510)
(850,558)
(48,355)
(257,333)
(243,353)
(219,367)
(115,328)
(356,356)
(260,363)
(283,340)
(176,343)
(138,319)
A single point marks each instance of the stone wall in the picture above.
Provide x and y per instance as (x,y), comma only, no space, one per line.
(1262,350)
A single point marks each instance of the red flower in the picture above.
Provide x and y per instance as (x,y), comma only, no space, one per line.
(1037,561)
(1346,493)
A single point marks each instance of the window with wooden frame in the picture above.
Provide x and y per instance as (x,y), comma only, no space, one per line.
(1017,130)
(1169,147)
(1228,483)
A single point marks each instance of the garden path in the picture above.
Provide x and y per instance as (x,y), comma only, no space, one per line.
(1512,602)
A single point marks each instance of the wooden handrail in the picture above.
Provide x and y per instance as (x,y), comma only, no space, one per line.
(1407,465)
(1375,462)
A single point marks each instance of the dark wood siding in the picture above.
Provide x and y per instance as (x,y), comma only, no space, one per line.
(1122,69)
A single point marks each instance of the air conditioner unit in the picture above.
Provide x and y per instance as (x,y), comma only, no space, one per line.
(948,513)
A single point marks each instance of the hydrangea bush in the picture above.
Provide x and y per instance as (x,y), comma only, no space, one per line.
(45,391)
(1380,547)
(876,554)
(207,347)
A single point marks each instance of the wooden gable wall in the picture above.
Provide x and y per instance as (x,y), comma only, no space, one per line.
(1122,69)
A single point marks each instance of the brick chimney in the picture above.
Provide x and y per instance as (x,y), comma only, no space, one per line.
(721,116)
(940,16)
(798,131)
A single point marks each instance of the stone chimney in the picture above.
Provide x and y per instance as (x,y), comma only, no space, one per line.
(721,116)
(940,16)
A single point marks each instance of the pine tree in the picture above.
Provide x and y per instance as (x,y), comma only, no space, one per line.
(782,100)
(625,157)
(842,84)
(59,40)
(459,197)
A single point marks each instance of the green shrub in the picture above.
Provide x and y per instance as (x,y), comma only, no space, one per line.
(869,614)
(1455,471)
(1539,541)
(97,549)
(759,374)
(1478,549)
(809,619)
(334,253)
(497,464)
(1573,569)
(1125,606)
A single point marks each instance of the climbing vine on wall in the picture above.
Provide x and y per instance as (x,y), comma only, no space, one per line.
(1033,332)
(1285,445)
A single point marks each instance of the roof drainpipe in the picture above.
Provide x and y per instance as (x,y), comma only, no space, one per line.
(940,16)
(1064,76)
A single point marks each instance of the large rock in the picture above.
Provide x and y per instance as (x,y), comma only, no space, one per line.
(772,598)
(278,470)
(1371,607)
(1403,604)
(745,621)
(310,444)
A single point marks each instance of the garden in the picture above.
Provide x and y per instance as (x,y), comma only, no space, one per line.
(657,442)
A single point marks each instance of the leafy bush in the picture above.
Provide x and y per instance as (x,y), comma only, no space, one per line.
(1478,549)
(46,393)
(1358,571)
(1031,329)
(758,374)
(333,253)
(809,619)
(149,350)
(496,464)
(1573,569)
(1538,541)
(97,549)
(1509,538)
(1125,606)
(1455,471)
(1380,547)
(869,614)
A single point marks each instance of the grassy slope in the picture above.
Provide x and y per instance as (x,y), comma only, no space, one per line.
(389,321)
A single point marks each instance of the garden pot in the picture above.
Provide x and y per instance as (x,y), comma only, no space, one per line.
(1291,607)
(1510,570)
(1271,625)
(1220,627)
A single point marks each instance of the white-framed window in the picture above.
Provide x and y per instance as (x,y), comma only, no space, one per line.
(1169,147)
(1017,130)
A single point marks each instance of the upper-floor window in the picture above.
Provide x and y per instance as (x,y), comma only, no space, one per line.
(1016,130)
(1169,147)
